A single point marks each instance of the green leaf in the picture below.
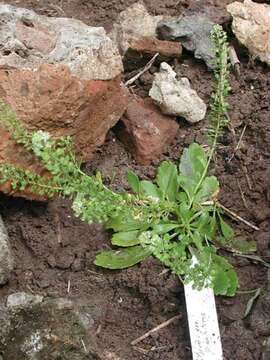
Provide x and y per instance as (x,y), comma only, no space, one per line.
(119,224)
(251,302)
(193,162)
(167,180)
(181,196)
(226,230)
(150,189)
(209,187)
(123,258)
(232,276)
(225,280)
(185,212)
(134,182)
(213,227)
(221,283)
(188,185)
(126,238)
(164,228)
(207,226)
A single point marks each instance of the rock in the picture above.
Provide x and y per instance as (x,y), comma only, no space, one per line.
(22,299)
(61,104)
(145,131)
(6,258)
(29,40)
(51,329)
(251,25)
(175,97)
(194,33)
(143,49)
(61,76)
(132,24)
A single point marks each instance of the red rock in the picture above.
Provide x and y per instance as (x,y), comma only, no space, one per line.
(152,45)
(54,100)
(143,49)
(145,131)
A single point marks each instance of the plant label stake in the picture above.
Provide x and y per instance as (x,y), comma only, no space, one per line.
(203,323)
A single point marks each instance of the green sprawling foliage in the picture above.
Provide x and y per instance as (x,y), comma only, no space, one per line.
(175,218)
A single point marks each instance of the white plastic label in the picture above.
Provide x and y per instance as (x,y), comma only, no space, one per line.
(203,324)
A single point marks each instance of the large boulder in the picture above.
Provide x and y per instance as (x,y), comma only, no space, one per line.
(61,76)
(251,25)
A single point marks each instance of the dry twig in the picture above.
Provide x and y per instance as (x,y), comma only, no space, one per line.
(244,168)
(237,217)
(242,195)
(155,329)
(237,147)
(147,67)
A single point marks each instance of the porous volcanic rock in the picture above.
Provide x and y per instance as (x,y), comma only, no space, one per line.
(176,97)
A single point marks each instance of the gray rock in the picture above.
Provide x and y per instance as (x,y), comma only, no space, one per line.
(175,97)
(6,258)
(28,40)
(22,299)
(194,33)
(52,329)
(132,24)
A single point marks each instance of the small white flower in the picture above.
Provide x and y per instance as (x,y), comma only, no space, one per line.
(40,140)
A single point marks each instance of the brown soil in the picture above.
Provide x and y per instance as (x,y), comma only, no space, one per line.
(53,248)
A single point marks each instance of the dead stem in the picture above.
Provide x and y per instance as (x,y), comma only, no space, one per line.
(244,168)
(237,217)
(237,147)
(242,194)
(155,329)
(147,67)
